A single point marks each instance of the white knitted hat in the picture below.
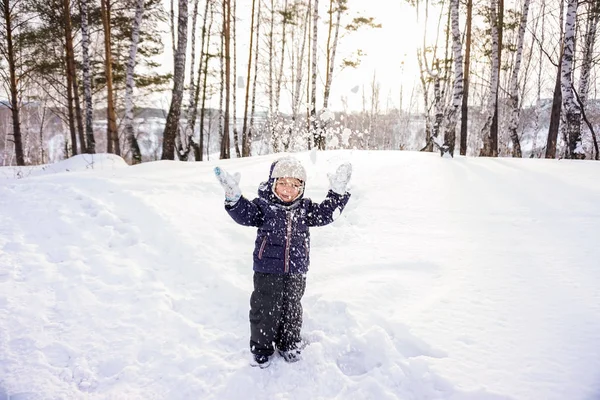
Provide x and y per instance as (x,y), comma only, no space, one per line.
(288,167)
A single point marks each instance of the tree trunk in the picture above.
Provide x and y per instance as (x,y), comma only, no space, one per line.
(236,143)
(457,92)
(552,137)
(70,73)
(245,138)
(87,79)
(465,100)
(586,65)
(14,93)
(490,144)
(428,142)
(196,95)
(207,57)
(70,55)
(331,51)
(136,155)
(225,143)
(255,79)
(514,85)
(572,111)
(494,127)
(318,139)
(172,124)
(112,135)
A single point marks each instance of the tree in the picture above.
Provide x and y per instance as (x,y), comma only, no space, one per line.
(72,85)
(490,142)
(87,78)
(571,108)
(172,124)
(112,135)
(452,114)
(465,99)
(318,138)
(136,155)
(245,133)
(11,21)
(514,87)
(225,144)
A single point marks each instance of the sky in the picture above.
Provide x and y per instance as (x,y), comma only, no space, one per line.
(390,52)
(459,279)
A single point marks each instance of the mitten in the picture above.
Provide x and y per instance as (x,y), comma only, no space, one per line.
(230,184)
(339,180)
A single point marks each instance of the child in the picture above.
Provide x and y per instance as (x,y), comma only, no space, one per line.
(281,249)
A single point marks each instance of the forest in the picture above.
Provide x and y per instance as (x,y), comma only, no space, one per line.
(495,78)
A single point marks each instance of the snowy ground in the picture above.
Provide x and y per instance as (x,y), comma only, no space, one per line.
(464,279)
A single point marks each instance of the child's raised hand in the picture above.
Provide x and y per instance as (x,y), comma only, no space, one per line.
(230,183)
(339,181)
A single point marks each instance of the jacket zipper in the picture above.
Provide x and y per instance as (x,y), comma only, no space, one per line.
(288,237)
(262,248)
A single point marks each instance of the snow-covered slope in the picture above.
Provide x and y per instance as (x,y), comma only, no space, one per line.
(470,279)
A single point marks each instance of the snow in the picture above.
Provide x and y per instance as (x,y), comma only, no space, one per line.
(461,279)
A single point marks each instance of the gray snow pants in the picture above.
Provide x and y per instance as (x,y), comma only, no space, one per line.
(276,312)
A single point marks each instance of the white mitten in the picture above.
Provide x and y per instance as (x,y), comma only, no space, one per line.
(230,183)
(339,180)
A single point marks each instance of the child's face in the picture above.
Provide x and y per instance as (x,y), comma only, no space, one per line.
(288,189)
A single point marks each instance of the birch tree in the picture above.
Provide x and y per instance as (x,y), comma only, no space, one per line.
(245,138)
(172,123)
(593,16)
(10,19)
(318,139)
(571,109)
(87,79)
(490,148)
(514,85)
(552,137)
(457,92)
(136,155)
(72,86)
(112,135)
(465,99)
(225,143)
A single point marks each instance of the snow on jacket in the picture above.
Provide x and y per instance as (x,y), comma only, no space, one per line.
(282,243)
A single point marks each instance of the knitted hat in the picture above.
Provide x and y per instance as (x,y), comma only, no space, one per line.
(288,167)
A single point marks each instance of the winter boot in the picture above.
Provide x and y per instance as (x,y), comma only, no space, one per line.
(261,361)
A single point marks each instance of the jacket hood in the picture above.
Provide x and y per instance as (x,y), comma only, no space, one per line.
(285,167)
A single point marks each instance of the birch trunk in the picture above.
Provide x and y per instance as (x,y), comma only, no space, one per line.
(428,142)
(136,155)
(572,111)
(457,91)
(514,85)
(331,51)
(207,57)
(552,137)
(586,65)
(192,90)
(236,143)
(254,84)
(464,123)
(70,66)
(87,79)
(172,124)
(70,53)
(319,140)
(9,18)
(488,142)
(193,114)
(112,135)
(225,148)
(245,138)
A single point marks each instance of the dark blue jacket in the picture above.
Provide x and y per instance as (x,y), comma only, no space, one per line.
(282,243)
